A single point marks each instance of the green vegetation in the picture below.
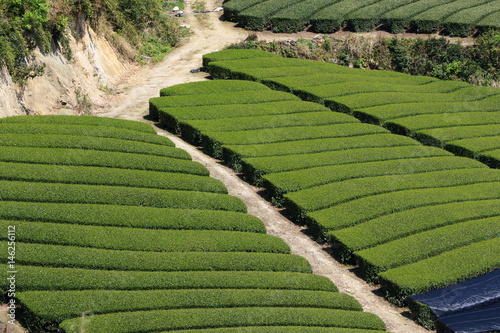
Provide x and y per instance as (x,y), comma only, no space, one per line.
(27,24)
(96,226)
(459,18)
(46,304)
(477,64)
(367,192)
(159,320)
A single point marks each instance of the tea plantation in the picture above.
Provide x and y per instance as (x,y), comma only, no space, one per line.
(113,229)
(413,217)
(457,17)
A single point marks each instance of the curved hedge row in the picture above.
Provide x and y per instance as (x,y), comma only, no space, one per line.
(359,194)
(418,108)
(98,226)
(458,17)
(158,320)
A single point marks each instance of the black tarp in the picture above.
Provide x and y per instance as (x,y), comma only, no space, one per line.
(472,306)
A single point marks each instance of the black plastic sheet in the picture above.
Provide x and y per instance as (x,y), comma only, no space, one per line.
(472,306)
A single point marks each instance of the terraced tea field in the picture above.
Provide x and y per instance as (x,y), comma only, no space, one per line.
(456,116)
(116,230)
(457,17)
(413,217)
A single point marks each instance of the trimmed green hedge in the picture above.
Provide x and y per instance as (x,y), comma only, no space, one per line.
(333,18)
(50,278)
(292,134)
(320,145)
(441,270)
(424,245)
(262,165)
(463,23)
(242,97)
(295,17)
(83,131)
(117,195)
(91,143)
(52,306)
(381,114)
(292,181)
(210,318)
(96,158)
(210,87)
(432,20)
(120,238)
(369,208)
(87,121)
(279,329)
(131,216)
(336,193)
(108,176)
(236,54)
(368,17)
(258,16)
(400,19)
(79,257)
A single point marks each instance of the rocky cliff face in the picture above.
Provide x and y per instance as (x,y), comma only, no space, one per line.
(66,87)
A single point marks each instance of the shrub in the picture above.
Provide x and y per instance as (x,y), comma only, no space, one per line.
(131,216)
(400,19)
(234,7)
(263,165)
(88,258)
(145,240)
(318,145)
(292,181)
(295,17)
(432,20)
(332,194)
(84,130)
(210,318)
(108,176)
(118,195)
(210,87)
(383,113)
(462,23)
(235,54)
(100,158)
(53,279)
(426,244)
(257,17)
(345,215)
(87,121)
(368,17)
(91,143)
(442,270)
(52,306)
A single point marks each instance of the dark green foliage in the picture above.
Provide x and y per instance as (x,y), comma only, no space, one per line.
(49,278)
(84,130)
(234,54)
(117,195)
(108,176)
(89,258)
(258,16)
(454,266)
(119,238)
(84,157)
(208,318)
(92,143)
(131,216)
(57,306)
(208,87)
(87,121)
(426,244)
